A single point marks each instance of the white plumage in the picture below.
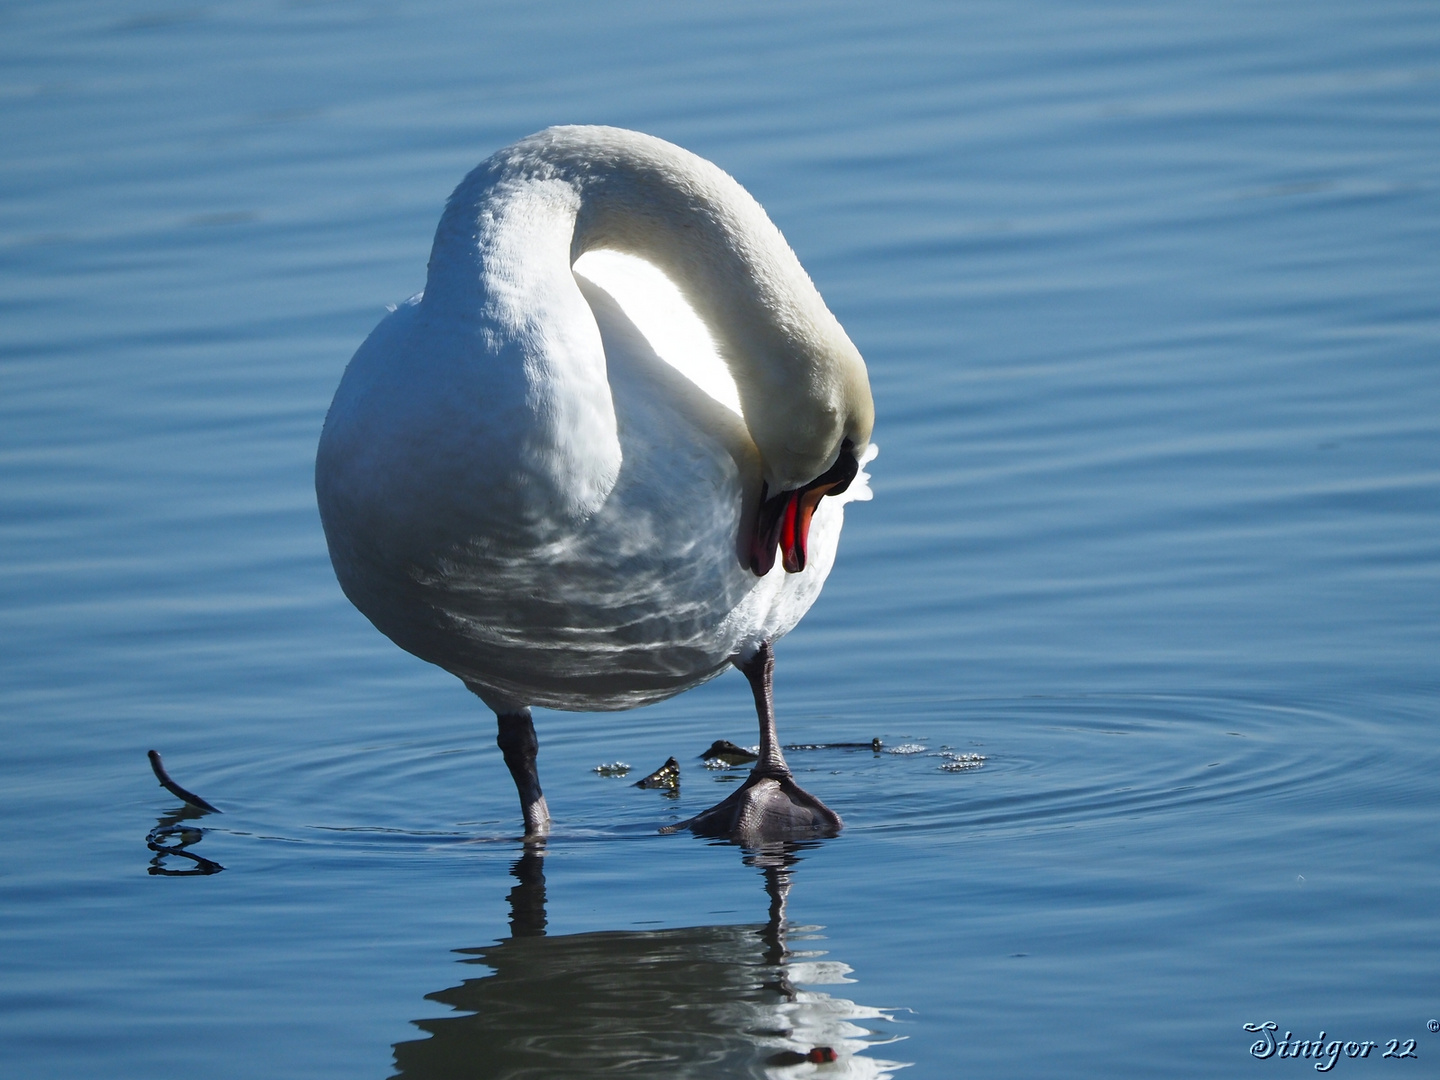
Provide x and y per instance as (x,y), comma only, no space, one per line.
(517,486)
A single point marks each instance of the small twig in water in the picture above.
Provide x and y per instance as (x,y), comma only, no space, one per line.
(874,744)
(188,797)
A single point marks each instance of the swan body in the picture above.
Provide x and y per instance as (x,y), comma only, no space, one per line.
(517,486)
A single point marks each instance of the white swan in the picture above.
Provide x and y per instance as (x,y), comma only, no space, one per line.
(516,486)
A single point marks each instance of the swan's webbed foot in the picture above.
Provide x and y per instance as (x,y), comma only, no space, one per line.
(769,806)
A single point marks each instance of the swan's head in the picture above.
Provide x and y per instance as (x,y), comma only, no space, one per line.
(783,522)
(811,421)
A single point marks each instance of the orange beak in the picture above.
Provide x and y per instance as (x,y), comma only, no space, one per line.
(784,520)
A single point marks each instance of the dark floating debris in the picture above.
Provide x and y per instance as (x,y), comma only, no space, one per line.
(666,776)
(726,751)
(188,797)
(874,745)
(821,1055)
(723,750)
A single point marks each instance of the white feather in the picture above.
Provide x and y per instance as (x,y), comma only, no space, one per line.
(534,476)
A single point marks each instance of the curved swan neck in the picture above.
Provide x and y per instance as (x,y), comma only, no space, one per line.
(802,382)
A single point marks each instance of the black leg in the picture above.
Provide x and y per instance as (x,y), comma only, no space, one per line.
(759,670)
(517,741)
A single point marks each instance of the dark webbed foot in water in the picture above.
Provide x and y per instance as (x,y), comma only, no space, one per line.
(770,805)
(766,808)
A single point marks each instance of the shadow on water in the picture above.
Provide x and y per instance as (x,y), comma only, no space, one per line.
(722,1001)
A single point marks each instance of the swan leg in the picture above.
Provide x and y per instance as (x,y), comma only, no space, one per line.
(770,804)
(517,741)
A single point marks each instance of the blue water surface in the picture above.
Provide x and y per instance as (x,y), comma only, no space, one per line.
(1149,592)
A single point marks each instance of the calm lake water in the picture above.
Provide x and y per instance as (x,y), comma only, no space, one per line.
(1149,298)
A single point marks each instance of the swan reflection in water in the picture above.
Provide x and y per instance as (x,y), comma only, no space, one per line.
(711,1001)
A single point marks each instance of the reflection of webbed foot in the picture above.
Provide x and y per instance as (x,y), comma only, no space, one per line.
(769,806)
